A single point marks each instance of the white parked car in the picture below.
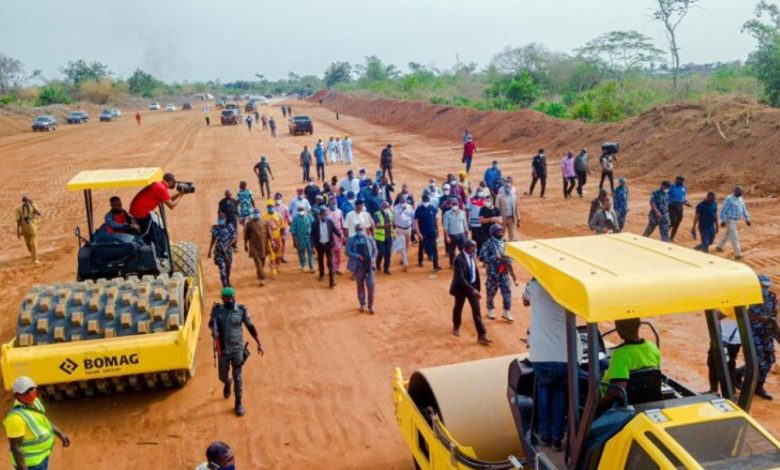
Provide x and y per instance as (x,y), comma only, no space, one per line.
(154,106)
(170,108)
(117,112)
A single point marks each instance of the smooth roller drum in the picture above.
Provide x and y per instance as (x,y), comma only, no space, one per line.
(470,399)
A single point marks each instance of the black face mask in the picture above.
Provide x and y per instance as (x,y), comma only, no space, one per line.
(116,211)
(230,305)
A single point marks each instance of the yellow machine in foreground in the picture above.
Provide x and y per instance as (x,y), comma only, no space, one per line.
(480,415)
(131,321)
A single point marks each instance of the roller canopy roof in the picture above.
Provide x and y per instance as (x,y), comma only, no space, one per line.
(115,178)
(612,277)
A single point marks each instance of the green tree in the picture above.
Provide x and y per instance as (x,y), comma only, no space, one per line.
(765,60)
(621,50)
(671,14)
(11,73)
(513,91)
(337,72)
(78,71)
(52,94)
(142,83)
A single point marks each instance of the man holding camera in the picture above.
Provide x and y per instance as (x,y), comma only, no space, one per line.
(27,227)
(146,201)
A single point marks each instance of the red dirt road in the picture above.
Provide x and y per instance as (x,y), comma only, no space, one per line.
(321,396)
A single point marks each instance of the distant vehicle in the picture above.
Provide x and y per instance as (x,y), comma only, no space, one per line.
(230,117)
(170,108)
(301,125)
(154,106)
(233,106)
(117,112)
(186,106)
(221,102)
(108,115)
(251,106)
(269,96)
(262,100)
(44,123)
(78,117)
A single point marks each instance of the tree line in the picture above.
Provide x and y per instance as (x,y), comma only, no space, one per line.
(617,74)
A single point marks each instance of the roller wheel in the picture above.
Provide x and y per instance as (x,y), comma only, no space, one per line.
(185,258)
(87,310)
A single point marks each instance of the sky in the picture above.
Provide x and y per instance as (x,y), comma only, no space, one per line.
(179,40)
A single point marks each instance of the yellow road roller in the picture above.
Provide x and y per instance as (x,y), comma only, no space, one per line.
(480,414)
(129,321)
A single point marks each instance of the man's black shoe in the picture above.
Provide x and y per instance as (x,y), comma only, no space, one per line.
(226,390)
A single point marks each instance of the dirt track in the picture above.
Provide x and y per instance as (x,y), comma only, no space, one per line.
(321,396)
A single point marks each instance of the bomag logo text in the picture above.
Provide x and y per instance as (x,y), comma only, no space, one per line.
(110,361)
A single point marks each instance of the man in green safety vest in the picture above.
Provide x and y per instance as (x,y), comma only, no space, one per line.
(30,433)
(383,235)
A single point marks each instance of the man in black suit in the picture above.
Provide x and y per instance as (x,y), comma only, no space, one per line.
(322,232)
(465,286)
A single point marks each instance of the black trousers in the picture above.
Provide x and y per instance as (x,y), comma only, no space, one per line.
(675,217)
(324,252)
(731,350)
(153,234)
(387,170)
(265,187)
(607,174)
(306,172)
(457,312)
(568,186)
(582,178)
(541,178)
(321,171)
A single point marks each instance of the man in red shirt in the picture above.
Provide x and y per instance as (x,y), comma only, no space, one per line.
(146,201)
(469,147)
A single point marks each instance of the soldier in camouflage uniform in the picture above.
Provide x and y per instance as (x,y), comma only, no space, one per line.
(659,212)
(763,322)
(492,253)
(223,241)
(226,323)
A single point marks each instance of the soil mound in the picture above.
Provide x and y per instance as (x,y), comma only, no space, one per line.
(717,143)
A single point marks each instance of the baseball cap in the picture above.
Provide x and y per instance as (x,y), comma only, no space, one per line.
(621,180)
(359,201)
(23,384)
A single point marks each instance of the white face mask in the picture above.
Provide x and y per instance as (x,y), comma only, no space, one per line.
(488,204)
(446,192)
(426,204)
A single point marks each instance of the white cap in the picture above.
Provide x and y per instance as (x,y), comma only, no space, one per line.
(23,384)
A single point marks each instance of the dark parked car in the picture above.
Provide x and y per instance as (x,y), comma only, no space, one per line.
(251,106)
(301,125)
(108,115)
(230,117)
(78,117)
(186,106)
(44,123)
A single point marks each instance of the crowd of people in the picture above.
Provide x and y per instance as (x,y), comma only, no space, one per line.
(361,222)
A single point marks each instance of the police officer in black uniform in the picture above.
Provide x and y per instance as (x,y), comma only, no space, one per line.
(226,323)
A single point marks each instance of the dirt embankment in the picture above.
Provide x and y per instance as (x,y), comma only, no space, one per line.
(716,143)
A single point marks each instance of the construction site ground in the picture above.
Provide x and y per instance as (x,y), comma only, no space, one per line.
(321,396)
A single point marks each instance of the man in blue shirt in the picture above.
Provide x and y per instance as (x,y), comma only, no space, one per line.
(492,175)
(620,202)
(707,220)
(349,205)
(373,199)
(426,227)
(678,197)
(319,156)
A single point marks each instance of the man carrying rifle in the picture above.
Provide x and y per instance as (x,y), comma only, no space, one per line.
(226,323)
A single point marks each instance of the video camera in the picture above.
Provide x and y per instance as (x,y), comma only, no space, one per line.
(185,187)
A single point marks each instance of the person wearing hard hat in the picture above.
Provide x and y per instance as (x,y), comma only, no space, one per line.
(30,432)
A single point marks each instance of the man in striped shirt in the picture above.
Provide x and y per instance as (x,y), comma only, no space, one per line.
(732,211)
